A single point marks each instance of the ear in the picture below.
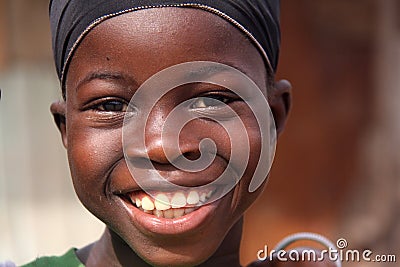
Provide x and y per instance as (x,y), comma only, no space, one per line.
(280,103)
(58,109)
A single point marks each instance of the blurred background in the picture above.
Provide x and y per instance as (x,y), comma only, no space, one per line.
(337,166)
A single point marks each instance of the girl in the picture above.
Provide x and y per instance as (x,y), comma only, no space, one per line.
(105,51)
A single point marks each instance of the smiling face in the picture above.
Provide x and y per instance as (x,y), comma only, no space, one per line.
(107,68)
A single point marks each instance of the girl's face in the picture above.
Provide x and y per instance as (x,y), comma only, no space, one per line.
(111,62)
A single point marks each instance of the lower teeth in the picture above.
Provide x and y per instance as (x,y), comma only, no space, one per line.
(170,213)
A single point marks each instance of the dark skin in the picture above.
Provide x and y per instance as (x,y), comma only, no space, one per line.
(119,55)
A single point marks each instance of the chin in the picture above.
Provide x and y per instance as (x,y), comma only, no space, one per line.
(179,255)
(172,260)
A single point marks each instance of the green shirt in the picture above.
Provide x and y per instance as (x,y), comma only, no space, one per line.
(69,259)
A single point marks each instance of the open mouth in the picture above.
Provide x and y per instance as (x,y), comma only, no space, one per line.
(169,205)
(161,213)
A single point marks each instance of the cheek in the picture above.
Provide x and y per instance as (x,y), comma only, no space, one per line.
(248,159)
(245,144)
(92,153)
(241,147)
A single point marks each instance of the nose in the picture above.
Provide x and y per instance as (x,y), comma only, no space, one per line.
(171,147)
(161,149)
(162,144)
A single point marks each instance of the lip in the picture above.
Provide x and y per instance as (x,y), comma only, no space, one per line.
(194,221)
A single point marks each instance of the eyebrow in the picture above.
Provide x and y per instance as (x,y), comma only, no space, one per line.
(124,78)
(204,72)
(108,76)
(209,71)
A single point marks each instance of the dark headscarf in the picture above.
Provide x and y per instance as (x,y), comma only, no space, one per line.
(71,20)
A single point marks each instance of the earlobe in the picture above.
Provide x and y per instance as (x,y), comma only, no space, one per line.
(58,109)
(280,102)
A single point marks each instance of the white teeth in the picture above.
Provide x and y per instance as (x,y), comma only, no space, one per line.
(169,214)
(178,200)
(178,212)
(203,197)
(138,202)
(193,198)
(147,204)
(162,202)
(162,207)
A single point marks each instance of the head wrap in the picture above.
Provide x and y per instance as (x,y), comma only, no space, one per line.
(71,20)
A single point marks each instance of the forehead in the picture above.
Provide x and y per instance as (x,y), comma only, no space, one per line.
(147,41)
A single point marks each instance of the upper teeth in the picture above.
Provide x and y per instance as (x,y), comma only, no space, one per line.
(162,202)
(147,204)
(178,201)
(193,198)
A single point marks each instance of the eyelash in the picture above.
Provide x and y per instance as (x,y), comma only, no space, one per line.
(215,100)
(110,105)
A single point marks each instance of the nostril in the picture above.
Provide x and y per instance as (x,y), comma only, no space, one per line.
(163,165)
(145,163)
(191,155)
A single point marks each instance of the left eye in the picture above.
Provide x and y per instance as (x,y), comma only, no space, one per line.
(112,106)
(210,101)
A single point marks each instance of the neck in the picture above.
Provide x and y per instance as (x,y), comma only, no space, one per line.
(111,250)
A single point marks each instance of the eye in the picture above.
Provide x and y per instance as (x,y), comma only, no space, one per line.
(210,101)
(112,106)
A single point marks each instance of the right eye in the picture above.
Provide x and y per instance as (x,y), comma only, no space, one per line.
(111,106)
